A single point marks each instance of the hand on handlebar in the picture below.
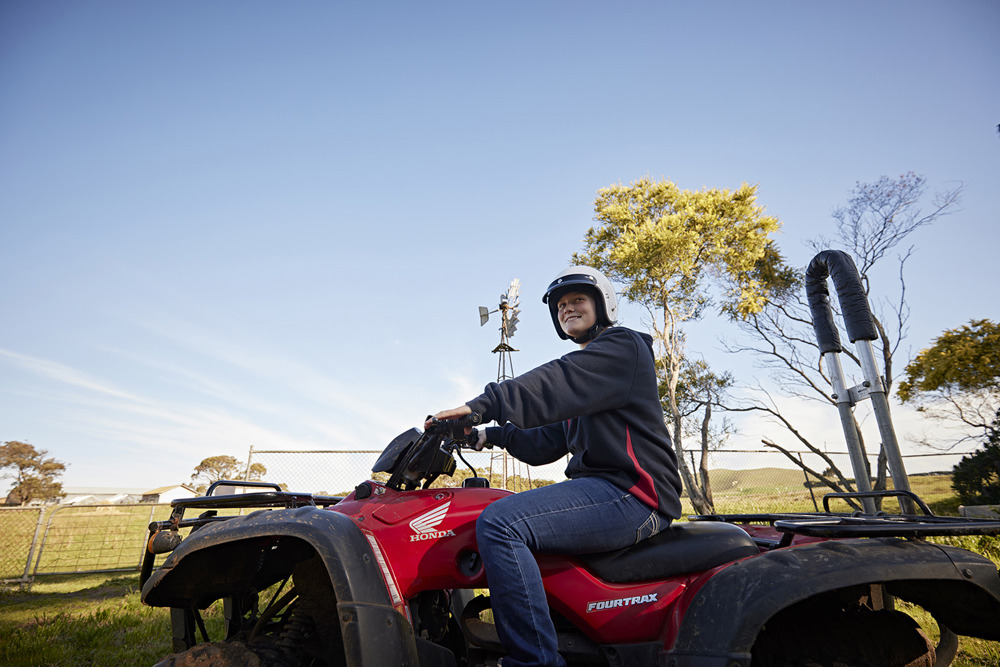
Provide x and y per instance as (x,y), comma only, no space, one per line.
(453,420)
(461,417)
(449,415)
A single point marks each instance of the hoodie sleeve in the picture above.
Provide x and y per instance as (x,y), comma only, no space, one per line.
(534,446)
(594,379)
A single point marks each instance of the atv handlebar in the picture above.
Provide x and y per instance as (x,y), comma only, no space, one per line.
(454,428)
(858,318)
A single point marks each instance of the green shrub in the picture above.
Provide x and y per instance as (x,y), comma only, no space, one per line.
(976,478)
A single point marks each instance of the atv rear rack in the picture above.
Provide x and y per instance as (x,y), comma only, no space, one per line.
(829,524)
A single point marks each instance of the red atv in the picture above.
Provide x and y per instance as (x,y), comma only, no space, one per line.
(388,574)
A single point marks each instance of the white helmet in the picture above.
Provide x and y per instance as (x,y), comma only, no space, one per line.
(583,279)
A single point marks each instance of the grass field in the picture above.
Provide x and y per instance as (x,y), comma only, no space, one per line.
(97,619)
(81,620)
(94,620)
(766,490)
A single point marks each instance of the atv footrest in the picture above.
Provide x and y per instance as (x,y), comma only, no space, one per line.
(484,635)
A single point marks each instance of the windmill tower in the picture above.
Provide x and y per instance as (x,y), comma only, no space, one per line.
(509,310)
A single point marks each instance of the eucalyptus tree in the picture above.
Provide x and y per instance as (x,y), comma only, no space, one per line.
(956,379)
(215,468)
(35,474)
(678,253)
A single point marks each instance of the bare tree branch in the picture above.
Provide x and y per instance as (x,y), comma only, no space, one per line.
(877,217)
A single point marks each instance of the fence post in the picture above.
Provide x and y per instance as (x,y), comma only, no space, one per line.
(808,485)
(246,475)
(41,547)
(25,578)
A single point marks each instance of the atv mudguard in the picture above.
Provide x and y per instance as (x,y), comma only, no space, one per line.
(959,588)
(228,558)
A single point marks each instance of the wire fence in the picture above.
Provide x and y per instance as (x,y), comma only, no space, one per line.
(77,539)
(731,471)
(111,538)
(337,472)
(73,539)
(20,528)
(95,537)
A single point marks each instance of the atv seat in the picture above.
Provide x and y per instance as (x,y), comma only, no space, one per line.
(684,547)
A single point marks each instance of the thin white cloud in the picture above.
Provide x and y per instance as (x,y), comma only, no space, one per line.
(269,401)
(365,402)
(64,374)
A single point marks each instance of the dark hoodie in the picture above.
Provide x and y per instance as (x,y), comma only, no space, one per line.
(601,405)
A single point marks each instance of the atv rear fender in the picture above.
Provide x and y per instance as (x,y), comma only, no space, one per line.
(719,624)
(229,558)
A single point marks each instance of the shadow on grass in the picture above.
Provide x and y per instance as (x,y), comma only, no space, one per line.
(62,594)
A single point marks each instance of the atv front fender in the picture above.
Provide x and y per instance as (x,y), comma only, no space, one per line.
(230,558)
(959,588)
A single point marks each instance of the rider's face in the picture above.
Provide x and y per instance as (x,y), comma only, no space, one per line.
(577,313)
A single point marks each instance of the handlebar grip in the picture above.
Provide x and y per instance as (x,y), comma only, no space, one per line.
(858,318)
(472,419)
(460,424)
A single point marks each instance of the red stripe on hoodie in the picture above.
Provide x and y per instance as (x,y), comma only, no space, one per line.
(643,489)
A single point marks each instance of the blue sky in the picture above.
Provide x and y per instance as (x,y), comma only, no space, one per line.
(254,223)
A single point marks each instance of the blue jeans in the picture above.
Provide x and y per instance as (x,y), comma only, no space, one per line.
(578,516)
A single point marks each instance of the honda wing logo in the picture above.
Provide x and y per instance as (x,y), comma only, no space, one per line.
(426,525)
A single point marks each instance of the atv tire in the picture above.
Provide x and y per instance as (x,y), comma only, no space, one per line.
(222,654)
(860,638)
(310,635)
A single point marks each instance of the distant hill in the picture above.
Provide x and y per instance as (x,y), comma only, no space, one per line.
(782,480)
(757,480)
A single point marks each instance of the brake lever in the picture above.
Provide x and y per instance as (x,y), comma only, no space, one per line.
(466,442)
(472,439)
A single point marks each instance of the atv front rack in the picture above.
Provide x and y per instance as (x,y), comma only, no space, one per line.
(164,536)
(261,500)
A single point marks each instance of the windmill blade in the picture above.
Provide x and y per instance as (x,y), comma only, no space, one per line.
(514,293)
(508,305)
(510,321)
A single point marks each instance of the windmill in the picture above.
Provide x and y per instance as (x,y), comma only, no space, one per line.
(509,310)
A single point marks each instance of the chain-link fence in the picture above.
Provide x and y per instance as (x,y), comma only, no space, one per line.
(93,538)
(74,539)
(337,472)
(107,538)
(21,528)
(77,539)
(741,480)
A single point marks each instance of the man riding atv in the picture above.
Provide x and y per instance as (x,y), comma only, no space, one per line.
(600,405)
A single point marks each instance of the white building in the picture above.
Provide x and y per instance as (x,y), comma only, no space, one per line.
(168,494)
(92,495)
